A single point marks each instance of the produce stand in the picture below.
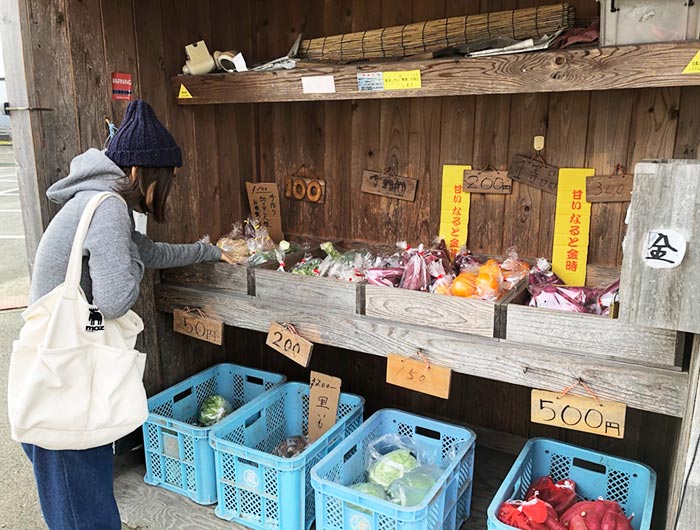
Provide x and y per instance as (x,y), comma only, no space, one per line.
(597,107)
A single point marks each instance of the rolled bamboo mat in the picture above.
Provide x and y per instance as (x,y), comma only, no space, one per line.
(421,37)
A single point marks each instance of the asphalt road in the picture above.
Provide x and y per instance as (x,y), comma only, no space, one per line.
(19,506)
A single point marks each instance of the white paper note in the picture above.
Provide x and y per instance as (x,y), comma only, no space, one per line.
(318,84)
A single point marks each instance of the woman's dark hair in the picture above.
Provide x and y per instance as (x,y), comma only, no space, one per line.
(149,189)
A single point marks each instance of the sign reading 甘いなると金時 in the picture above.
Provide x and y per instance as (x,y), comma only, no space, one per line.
(454,207)
(324,394)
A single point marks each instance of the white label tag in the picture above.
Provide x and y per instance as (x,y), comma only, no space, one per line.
(141,222)
(318,84)
(239,63)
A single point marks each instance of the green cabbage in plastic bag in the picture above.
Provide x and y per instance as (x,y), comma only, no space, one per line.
(214,409)
(411,489)
(392,466)
(375,490)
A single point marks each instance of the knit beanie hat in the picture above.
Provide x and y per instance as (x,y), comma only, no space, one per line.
(142,140)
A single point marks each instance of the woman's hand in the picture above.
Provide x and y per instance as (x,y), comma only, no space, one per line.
(227,259)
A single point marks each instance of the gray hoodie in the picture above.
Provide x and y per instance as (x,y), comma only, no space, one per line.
(114,254)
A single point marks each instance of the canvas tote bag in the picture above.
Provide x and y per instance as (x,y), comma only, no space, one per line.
(76,381)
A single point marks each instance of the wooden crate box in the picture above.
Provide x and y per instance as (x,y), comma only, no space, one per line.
(312,291)
(450,313)
(234,278)
(593,335)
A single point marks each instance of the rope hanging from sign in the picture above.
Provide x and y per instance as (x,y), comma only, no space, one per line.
(580,381)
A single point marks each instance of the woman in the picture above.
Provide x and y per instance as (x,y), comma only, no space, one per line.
(75,487)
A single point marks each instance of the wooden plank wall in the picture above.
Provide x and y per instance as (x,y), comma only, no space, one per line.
(75,45)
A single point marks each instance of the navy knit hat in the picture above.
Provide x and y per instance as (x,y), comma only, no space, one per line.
(143,141)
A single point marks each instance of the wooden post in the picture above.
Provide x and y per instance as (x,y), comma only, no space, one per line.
(684,486)
(17,56)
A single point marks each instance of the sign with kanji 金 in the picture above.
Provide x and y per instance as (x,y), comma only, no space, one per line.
(572,226)
(664,249)
(324,394)
(264,200)
(454,208)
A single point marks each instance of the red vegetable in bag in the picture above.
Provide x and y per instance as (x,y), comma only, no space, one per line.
(596,515)
(416,276)
(561,495)
(530,515)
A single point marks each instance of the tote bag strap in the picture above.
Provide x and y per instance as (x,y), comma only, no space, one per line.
(75,262)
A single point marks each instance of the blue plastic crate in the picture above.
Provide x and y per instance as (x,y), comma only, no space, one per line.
(445,507)
(258,489)
(178,455)
(596,475)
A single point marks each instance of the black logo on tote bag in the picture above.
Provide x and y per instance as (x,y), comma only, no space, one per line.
(95,320)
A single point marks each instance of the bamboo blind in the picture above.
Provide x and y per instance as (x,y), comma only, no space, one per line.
(421,37)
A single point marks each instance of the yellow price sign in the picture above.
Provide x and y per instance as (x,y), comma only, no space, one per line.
(694,65)
(402,80)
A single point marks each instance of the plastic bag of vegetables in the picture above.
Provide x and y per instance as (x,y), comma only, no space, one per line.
(391,466)
(391,456)
(308,266)
(416,277)
(413,487)
(214,409)
(368,488)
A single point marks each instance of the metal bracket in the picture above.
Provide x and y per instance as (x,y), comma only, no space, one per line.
(7,109)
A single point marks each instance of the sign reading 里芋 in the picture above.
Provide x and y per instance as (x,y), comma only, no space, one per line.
(264,200)
(388,185)
(693,66)
(403,80)
(290,344)
(613,188)
(572,226)
(664,249)
(324,394)
(604,418)
(196,325)
(534,173)
(418,375)
(487,181)
(454,208)
(121,86)
(305,189)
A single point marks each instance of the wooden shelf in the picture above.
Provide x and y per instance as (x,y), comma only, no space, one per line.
(657,390)
(144,506)
(613,67)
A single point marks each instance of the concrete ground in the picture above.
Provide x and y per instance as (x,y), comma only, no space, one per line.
(19,505)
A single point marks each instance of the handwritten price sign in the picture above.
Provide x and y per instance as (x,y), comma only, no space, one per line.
(290,344)
(604,418)
(198,326)
(324,394)
(419,376)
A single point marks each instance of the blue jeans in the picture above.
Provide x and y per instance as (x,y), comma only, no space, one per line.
(76,488)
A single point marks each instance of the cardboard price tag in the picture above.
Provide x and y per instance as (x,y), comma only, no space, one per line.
(200,327)
(578,413)
(289,344)
(324,394)
(264,200)
(419,376)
